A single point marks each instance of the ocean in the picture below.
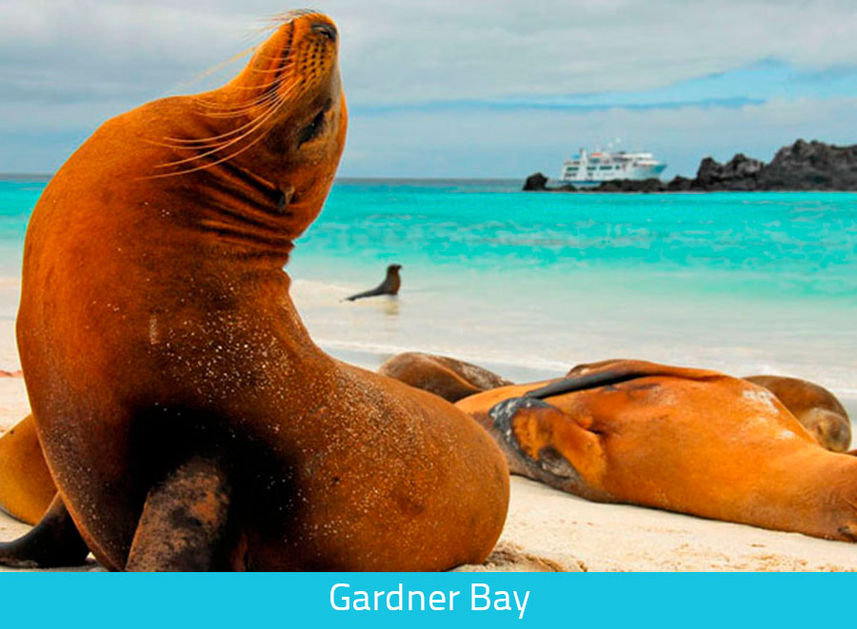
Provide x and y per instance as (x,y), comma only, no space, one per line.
(530,284)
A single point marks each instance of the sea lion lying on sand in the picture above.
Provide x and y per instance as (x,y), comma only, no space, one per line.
(816,408)
(685,440)
(447,377)
(187,419)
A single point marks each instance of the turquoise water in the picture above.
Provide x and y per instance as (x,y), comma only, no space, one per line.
(777,245)
(530,284)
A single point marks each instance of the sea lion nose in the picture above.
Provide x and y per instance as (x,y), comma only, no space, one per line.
(326,29)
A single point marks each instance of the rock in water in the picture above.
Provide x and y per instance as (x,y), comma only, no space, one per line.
(811,166)
(536,182)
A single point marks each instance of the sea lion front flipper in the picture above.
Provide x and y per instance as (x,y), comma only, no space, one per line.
(53,543)
(553,447)
(183,524)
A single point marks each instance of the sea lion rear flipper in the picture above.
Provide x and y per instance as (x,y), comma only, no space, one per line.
(610,372)
(552,446)
(368,293)
(54,542)
(26,486)
(183,524)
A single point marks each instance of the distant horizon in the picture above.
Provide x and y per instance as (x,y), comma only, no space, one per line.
(10,175)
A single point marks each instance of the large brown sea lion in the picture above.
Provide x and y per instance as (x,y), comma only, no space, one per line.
(684,440)
(188,420)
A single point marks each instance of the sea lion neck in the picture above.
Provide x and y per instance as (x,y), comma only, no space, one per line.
(255,159)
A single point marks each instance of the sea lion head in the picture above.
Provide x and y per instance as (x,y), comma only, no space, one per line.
(831,430)
(279,125)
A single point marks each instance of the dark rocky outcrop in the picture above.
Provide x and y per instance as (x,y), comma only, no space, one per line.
(811,166)
(536,182)
(739,173)
(801,166)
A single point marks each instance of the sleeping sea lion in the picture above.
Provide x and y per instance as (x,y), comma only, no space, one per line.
(186,417)
(814,406)
(390,286)
(446,377)
(686,440)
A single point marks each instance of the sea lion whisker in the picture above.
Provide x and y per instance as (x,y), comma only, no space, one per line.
(268,91)
(271,96)
(194,143)
(216,67)
(244,108)
(287,17)
(258,123)
(205,166)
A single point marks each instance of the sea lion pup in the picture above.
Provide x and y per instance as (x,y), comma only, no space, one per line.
(390,286)
(187,418)
(814,406)
(685,440)
(446,377)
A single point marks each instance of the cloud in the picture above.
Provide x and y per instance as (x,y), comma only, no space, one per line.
(488,143)
(65,65)
(402,52)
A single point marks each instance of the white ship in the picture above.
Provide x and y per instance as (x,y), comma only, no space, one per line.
(590,169)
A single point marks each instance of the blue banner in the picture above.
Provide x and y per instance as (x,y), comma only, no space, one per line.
(417,599)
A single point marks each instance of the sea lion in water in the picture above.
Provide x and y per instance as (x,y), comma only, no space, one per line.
(814,406)
(188,420)
(685,440)
(390,286)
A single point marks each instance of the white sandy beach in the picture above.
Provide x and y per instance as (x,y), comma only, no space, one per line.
(550,530)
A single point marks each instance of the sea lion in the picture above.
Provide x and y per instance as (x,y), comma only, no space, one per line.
(814,406)
(187,418)
(390,286)
(446,377)
(26,487)
(686,440)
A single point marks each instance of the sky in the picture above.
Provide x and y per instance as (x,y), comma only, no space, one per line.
(458,88)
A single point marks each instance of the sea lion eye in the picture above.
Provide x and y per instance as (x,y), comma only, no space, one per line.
(325,29)
(312,129)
